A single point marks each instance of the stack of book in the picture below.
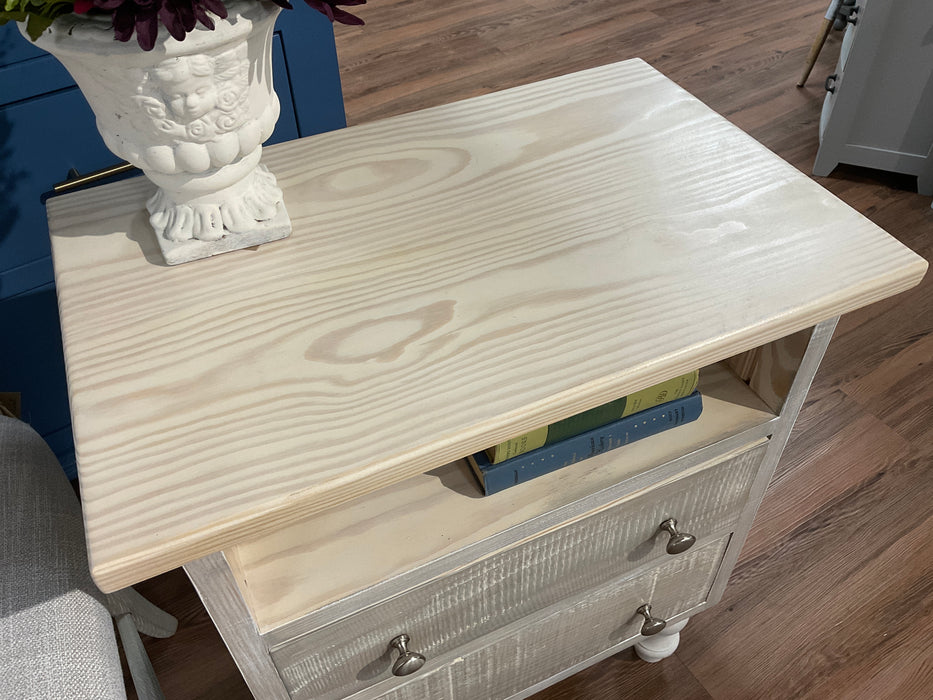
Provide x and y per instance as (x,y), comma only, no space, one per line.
(639,415)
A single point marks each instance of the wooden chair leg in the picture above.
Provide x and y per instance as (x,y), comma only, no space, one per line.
(818,42)
(141,671)
(148,619)
(135,614)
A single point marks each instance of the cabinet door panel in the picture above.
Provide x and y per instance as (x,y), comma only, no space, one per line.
(40,139)
(13,48)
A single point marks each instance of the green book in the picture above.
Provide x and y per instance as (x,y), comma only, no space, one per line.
(670,390)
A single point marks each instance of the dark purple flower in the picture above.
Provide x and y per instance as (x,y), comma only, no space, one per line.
(143,17)
(334,13)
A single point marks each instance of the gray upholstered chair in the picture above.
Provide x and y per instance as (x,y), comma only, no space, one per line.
(56,633)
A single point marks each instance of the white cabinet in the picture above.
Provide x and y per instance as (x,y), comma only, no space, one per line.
(878,111)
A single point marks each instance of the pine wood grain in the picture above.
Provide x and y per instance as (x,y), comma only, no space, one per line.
(437,258)
(414,54)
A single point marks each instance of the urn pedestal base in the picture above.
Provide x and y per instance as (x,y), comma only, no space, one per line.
(244,214)
(177,252)
(192,115)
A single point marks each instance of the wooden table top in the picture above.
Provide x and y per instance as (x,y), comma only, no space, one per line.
(455,276)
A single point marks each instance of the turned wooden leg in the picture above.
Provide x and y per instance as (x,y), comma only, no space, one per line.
(661,645)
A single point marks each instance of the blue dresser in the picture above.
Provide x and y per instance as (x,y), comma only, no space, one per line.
(46,130)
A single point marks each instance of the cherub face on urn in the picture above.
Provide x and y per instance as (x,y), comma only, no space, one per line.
(188,87)
(197,98)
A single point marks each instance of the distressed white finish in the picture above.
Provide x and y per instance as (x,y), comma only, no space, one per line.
(520,652)
(458,276)
(212,580)
(579,556)
(583,627)
(192,115)
(803,377)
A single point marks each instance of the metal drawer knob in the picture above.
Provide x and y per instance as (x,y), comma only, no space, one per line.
(680,541)
(831,83)
(407,661)
(652,625)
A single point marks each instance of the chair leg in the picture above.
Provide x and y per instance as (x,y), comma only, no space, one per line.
(135,614)
(818,42)
(147,618)
(144,677)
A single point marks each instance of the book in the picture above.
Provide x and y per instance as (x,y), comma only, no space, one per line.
(544,460)
(675,388)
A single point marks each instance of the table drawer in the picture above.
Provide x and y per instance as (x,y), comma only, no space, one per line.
(586,627)
(449,612)
(531,651)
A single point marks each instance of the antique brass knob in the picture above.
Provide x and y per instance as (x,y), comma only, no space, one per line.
(652,625)
(407,661)
(680,541)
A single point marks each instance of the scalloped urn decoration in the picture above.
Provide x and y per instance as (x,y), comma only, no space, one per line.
(192,115)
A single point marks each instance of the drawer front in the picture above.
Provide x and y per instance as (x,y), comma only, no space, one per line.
(590,625)
(530,651)
(449,612)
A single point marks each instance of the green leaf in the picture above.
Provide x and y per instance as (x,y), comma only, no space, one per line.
(36,25)
(12,17)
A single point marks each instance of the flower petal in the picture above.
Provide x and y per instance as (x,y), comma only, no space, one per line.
(147,29)
(345,17)
(124,22)
(203,17)
(215,6)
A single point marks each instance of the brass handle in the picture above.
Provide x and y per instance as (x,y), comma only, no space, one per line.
(77,180)
(680,541)
(407,661)
(652,625)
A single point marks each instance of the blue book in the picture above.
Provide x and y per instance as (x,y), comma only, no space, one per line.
(497,477)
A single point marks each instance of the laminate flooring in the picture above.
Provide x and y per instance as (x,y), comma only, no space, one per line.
(833,594)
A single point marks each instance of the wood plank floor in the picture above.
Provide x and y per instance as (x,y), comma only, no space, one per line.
(833,595)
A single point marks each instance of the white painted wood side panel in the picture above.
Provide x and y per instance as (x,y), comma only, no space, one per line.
(512,584)
(456,276)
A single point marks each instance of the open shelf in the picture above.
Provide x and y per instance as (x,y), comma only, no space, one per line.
(330,555)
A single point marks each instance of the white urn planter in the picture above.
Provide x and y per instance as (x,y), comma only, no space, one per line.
(192,115)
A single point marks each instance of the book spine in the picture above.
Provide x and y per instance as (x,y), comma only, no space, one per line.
(670,390)
(544,460)
(656,395)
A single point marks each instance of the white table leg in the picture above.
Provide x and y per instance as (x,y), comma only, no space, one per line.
(662,644)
